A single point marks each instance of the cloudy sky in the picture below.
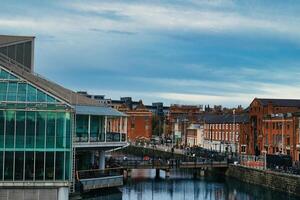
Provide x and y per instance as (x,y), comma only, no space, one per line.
(188,51)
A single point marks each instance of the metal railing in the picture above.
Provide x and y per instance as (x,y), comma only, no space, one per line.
(98,173)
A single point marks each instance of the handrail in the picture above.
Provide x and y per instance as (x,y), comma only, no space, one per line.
(98,173)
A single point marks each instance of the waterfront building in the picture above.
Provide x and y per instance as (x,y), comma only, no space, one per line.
(44,126)
(222,132)
(179,119)
(100,98)
(278,131)
(139,124)
(195,135)
(258,110)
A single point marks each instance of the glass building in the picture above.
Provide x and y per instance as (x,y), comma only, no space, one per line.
(35,132)
(44,126)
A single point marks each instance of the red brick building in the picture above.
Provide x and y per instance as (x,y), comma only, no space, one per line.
(296,135)
(139,121)
(259,110)
(278,134)
(179,119)
(225,133)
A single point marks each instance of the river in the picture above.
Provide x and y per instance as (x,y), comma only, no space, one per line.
(181,186)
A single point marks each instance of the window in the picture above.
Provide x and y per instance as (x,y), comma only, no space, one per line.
(20,129)
(82,127)
(10,129)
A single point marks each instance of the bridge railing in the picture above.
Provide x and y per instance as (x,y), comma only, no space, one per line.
(171,163)
(98,173)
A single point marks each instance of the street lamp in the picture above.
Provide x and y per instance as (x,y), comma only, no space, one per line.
(282,138)
(234,134)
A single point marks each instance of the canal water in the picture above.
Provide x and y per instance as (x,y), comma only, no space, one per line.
(181,186)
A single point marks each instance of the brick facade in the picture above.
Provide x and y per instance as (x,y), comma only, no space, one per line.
(258,110)
(139,122)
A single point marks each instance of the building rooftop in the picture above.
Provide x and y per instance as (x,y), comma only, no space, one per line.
(228,119)
(6,40)
(65,94)
(280,102)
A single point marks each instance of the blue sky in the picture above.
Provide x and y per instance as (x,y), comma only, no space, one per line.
(188,52)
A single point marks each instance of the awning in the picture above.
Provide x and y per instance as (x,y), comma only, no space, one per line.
(98,110)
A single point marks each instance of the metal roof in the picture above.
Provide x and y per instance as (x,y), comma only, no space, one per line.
(228,118)
(280,102)
(98,110)
(60,92)
(6,40)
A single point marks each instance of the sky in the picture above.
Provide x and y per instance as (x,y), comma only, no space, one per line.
(173,51)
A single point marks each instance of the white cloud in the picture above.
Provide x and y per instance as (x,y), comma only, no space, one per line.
(166,17)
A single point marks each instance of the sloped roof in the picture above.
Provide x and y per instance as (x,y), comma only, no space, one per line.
(8,39)
(98,110)
(228,118)
(280,102)
(63,93)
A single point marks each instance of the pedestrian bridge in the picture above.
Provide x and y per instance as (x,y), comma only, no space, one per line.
(170,164)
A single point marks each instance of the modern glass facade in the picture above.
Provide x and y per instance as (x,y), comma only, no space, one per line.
(35,133)
(90,128)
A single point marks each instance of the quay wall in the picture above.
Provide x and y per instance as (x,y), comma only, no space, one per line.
(277,181)
(15,193)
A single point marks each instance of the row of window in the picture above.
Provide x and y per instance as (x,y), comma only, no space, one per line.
(227,136)
(92,126)
(23,92)
(32,166)
(34,129)
(221,126)
(277,125)
(19,52)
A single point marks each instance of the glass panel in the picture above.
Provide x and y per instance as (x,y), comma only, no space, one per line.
(31,93)
(67,166)
(39,166)
(27,54)
(30,129)
(49,173)
(20,53)
(59,166)
(12,91)
(82,127)
(60,130)
(68,130)
(50,130)
(20,129)
(1,165)
(12,52)
(102,134)
(3,91)
(21,92)
(41,96)
(50,99)
(9,161)
(95,128)
(3,50)
(19,165)
(29,165)
(2,121)
(40,129)
(4,74)
(10,129)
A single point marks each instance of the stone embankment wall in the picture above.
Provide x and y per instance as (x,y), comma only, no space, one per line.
(274,180)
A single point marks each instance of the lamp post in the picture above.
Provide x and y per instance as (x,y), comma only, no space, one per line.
(234,132)
(282,137)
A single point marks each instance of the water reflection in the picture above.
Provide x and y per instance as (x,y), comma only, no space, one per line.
(181,186)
